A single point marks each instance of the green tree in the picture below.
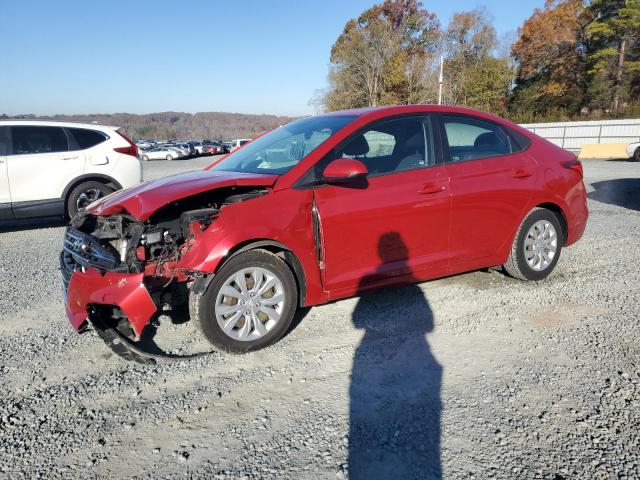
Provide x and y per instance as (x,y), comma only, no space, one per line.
(614,54)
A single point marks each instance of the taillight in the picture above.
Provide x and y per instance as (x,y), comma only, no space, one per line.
(574,165)
(130,150)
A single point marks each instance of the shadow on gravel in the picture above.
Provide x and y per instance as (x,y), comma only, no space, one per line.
(394,429)
(623,192)
(31,224)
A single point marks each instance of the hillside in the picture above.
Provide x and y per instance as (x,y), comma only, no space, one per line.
(179,125)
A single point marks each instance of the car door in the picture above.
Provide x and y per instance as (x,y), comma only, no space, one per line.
(395,224)
(491,184)
(40,168)
(5,194)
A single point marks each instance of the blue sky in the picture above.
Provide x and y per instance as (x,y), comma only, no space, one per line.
(141,56)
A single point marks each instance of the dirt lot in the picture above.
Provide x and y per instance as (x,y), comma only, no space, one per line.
(473,376)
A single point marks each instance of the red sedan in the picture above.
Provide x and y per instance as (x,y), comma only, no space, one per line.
(320,209)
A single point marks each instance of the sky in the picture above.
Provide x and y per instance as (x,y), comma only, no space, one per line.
(143,56)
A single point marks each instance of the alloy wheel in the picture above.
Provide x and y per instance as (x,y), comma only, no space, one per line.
(250,303)
(88,197)
(540,245)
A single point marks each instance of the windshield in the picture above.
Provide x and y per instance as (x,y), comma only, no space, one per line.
(283,148)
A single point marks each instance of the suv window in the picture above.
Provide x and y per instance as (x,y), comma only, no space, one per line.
(471,138)
(392,146)
(87,138)
(5,141)
(33,139)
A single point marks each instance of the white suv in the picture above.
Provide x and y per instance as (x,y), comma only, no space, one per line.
(56,168)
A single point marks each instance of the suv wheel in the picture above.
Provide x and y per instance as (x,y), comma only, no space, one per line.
(536,248)
(249,304)
(85,194)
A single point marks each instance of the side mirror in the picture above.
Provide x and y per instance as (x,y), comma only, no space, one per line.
(344,170)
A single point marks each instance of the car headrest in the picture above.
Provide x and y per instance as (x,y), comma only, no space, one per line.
(357,147)
(487,141)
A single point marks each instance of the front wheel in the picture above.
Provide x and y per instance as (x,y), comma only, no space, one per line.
(249,304)
(636,155)
(536,247)
(145,158)
(169,157)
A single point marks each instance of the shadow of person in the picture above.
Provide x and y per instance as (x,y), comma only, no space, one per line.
(394,424)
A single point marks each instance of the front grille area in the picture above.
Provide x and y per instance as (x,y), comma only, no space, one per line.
(87,250)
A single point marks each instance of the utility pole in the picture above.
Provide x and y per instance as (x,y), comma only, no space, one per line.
(440,80)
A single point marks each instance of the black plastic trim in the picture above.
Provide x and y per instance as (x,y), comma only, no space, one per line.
(39,208)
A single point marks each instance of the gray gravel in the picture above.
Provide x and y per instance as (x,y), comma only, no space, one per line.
(473,376)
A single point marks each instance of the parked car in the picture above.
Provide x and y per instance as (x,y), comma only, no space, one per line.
(633,150)
(320,209)
(215,148)
(161,153)
(237,143)
(198,146)
(56,168)
(189,149)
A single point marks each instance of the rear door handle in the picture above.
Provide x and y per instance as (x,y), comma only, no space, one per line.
(520,173)
(430,188)
(70,158)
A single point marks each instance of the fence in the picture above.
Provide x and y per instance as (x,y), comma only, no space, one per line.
(574,135)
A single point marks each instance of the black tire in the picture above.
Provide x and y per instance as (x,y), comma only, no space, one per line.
(145,158)
(202,307)
(516,264)
(636,155)
(169,157)
(83,188)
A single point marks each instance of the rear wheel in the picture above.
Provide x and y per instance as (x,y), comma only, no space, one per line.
(85,194)
(169,157)
(249,304)
(636,155)
(145,158)
(536,247)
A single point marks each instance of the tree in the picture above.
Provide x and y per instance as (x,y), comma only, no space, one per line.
(473,76)
(550,54)
(379,58)
(614,57)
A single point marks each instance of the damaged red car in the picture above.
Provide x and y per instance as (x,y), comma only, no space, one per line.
(320,209)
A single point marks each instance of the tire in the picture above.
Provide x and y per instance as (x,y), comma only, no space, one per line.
(205,309)
(169,157)
(84,194)
(636,155)
(525,246)
(145,158)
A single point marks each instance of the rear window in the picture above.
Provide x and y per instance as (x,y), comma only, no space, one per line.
(87,138)
(35,139)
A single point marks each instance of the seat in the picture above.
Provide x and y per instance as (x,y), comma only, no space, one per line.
(411,154)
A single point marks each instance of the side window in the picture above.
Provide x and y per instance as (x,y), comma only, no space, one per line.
(471,138)
(33,139)
(392,146)
(5,141)
(87,138)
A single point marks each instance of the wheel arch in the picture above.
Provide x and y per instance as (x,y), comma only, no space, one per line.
(562,218)
(272,246)
(89,177)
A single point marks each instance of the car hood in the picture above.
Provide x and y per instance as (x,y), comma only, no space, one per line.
(142,200)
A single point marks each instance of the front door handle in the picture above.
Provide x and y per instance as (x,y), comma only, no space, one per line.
(520,173)
(70,158)
(430,188)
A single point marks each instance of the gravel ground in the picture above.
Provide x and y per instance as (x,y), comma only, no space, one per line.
(472,376)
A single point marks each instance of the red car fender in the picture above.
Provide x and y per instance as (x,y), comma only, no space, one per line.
(242,223)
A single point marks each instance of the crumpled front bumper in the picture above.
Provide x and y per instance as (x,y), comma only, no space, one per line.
(125,291)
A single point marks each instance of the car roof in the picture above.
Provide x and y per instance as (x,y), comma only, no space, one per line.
(55,123)
(415,108)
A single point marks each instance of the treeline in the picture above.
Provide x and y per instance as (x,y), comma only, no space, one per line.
(571,59)
(178,125)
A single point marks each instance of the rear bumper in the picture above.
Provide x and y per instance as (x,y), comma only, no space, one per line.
(125,291)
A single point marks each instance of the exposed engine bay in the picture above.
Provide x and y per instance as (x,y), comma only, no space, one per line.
(120,243)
